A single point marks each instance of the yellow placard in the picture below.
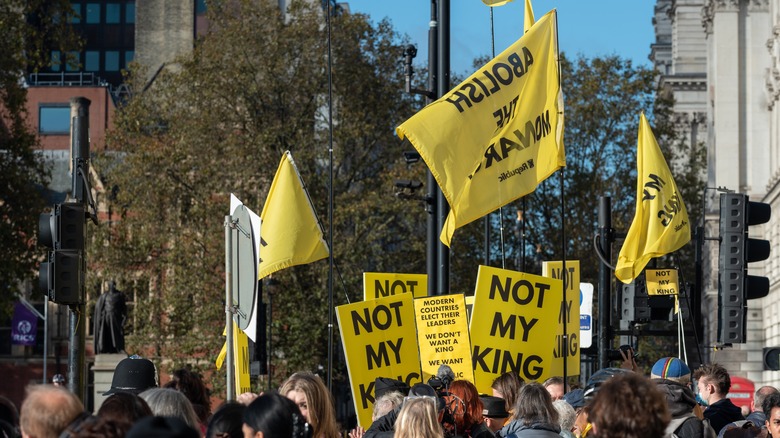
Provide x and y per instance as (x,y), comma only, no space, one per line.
(513,324)
(379,341)
(661,281)
(571,342)
(380,284)
(240,359)
(443,335)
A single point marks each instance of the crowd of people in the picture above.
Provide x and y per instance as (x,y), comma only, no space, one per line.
(615,402)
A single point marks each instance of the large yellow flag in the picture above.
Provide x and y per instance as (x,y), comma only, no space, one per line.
(528,19)
(494,137)
(496,2)
(660,224)
(290,233)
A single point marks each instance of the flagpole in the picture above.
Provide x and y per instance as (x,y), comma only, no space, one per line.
(330,206)
(443,73)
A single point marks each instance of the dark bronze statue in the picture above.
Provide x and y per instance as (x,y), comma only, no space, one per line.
(109,321)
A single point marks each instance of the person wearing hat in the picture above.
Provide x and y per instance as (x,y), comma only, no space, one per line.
(133,374)
(494,412)
(673,377)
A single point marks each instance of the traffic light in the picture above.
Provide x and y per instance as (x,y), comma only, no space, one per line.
(735,286)
(62,231)
(772,358)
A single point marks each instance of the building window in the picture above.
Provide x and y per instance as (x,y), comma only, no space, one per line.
(54,119)
(72,62)
(93,13)
(92,60)
(56,60)
(112,60)
(200,7)
(76,18)
(130,13)
(112,13)
(129,56)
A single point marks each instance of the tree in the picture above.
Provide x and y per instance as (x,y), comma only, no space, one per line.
(216,123)
(30,30)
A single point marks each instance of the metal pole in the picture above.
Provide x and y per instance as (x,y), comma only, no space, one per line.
(231,381)
(443,86)
(79,111)
(45,340)
(605,279)
(433,187)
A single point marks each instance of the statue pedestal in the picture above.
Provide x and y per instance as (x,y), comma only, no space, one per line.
(103,370)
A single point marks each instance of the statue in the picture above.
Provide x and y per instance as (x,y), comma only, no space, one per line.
(109,321)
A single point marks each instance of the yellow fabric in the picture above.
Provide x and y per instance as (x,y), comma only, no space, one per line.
(290,232)
(494,137)
(496,2)
(660,225)
(528,19)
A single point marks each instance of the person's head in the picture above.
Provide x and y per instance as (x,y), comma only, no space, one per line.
(534,405)
(191,385)
(386,403)
(598,379)
(273,415)
(761,394)
(494,412)
(418,418)
(227,421)
(771,408)
(134,374)
(162,427)
(507,386)
(671,368)
(89,426)
(166,402)
(566,414)
(124,407)
(47,410)
(464,403)
(713,383)
(314,401)
(556,387)
(629,406)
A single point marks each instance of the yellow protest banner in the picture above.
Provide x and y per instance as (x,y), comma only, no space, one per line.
(379,284)
(379,341)
(443,335)
(500,131)
(240,359)
(570,345)
(513,324)
(661,281)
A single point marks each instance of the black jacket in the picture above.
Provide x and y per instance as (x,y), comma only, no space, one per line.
(721,413)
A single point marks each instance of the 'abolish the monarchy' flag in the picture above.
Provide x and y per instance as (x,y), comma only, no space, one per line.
(290,233)
(661,224)
(493,138)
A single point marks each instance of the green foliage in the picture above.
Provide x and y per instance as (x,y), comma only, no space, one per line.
(217,122)
(28,31)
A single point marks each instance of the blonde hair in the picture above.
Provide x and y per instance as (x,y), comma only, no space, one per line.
(418,419)
(322,415)
(48,410)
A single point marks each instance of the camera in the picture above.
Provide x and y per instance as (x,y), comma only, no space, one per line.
(614,355)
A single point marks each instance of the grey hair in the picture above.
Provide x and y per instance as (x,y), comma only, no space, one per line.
(386,403)
(166,402)
(566,414)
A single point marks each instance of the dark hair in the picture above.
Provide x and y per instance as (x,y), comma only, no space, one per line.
(629,406)
(771,401)
(191,385)
(716,375)
(509,385)
(90,426)
(276,416)
(227,421)
(534,405)
(9,412)
(124,407)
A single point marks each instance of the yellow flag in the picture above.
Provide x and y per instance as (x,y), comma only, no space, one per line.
(496,2)
(494,137)
(290,233)
(660,225)
(528,20)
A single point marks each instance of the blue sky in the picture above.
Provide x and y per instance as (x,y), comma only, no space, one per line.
(587,27)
